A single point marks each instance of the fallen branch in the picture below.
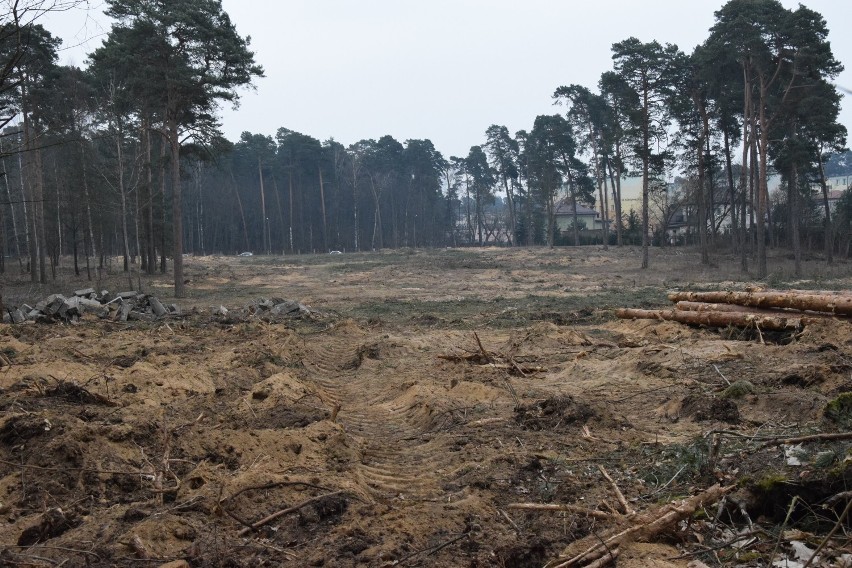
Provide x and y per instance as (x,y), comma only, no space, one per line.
(482,350)
(715,319)
(598,551)
(805,439)
(618,494)
(269,518)
(506,516)
(560,507)
(433,550)
(495,360)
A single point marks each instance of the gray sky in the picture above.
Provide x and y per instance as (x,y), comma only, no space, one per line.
(443,69)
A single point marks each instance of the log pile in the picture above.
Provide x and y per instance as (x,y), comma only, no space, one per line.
(765,310)
(124,306)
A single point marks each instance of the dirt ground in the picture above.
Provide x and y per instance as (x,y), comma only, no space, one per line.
(397,424)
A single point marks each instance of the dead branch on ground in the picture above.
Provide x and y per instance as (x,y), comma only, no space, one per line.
(493,359)
(596,551)
(811,438)
(563,507)
(269,518)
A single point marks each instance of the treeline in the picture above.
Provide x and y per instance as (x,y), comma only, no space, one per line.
(124,158)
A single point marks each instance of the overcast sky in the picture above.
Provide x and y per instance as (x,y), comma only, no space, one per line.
(443,69)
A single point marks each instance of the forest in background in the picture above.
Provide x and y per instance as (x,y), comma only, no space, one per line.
(124,158)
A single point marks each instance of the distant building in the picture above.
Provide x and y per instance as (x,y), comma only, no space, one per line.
(588,218)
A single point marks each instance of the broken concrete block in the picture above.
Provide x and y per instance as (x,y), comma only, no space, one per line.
(123,312)
(140,316)
(70,308)
(157,307)
(55,303)
(130,295)
(84,292)
(288,307)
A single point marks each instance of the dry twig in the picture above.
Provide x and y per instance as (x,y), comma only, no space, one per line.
(277,514)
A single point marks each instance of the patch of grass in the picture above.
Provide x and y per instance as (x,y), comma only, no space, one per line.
(840,409)
(474,312)
(739,389)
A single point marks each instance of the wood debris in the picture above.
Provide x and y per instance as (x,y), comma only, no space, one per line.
(602,549)
(494,360)
(762,310)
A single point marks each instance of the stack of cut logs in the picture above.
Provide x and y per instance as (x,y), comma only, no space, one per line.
(769,310)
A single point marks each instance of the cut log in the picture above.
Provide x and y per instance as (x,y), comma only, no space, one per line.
(840,304)
(807,317)
(715,319)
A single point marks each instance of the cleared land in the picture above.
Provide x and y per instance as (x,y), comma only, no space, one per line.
(401,424)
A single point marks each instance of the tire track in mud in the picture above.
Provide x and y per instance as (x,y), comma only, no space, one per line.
(395,461)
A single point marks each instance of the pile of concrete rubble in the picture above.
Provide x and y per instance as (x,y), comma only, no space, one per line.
(268,308)
(124,306)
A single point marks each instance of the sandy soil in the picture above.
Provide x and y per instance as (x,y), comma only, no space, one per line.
(431,390)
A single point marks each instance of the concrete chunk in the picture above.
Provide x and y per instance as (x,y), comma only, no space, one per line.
(157,307)
(84,292)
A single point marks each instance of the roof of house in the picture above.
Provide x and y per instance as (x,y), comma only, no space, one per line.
(565,207)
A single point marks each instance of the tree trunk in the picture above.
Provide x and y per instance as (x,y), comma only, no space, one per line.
(355,202)
(290,228)
(616,201)
(829,229)
(702,174)
(645,175)
(601,183)
(605,208)
(177,210)
(263,221)
(732,196)
(163,152)
(377,217)
(15,234)
(242,212)
(58,186)
(30,195)
(793,198)
(574,208)
(122,192)
(87,197)
(280,212)
(762,190)
(324,217)
(149,205)
(39,208)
